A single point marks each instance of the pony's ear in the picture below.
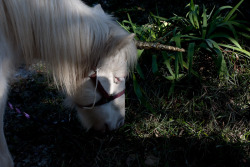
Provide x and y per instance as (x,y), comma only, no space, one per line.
(116,43)
(98,8)
(131,37)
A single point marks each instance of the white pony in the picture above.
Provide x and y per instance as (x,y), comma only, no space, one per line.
(86,51)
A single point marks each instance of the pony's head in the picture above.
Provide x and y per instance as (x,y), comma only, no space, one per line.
(106,49)
(100,98)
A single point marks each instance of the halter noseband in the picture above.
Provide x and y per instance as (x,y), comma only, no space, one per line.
(106,98)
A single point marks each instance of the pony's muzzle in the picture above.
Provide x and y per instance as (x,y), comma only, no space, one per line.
(107,127)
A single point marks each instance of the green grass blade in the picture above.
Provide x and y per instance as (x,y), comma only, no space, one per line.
(232,11)
(139,52)
(223,35)
(209,16)
(235,48)
(215,48)
(197,17)
(167,62)
(192,5)
(160,18)
(175,18)
(244,35)
(240,25)
(139,94)
(131,23)
(204,23)
(209,43)
(232,29)
(217,12)
(191,19)
(223,74)
(123,26)
(138,67)
(220,62)
(172,78)
(191,37)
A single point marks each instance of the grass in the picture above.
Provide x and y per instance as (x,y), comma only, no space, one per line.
(202,124)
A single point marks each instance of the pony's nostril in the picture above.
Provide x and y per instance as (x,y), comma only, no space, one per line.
(120,123)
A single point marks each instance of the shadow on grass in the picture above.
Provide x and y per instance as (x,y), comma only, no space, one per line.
(60,140)
(66,144)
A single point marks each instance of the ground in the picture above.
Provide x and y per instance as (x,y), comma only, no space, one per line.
(172,136)
(203,124)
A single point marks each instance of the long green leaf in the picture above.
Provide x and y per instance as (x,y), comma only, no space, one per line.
(209,43)
(160,18)
(131,23)
(192,5)
(238,23)
(232,29)
(138,67)
(245,35)
(196,17)
(191,19)
(215,47)
(232,11)
(210,15)
(204,26)
(191,37)
(219,10)
(224,35)
(223,73)
(235,48)
(167,62)
(171,78)
(139,94)
(139,52)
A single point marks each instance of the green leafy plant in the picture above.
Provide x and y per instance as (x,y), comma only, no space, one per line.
(211,32)
(201,32)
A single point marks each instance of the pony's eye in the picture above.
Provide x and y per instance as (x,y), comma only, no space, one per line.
(119,79)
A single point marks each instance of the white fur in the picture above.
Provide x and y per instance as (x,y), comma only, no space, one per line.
(72,39)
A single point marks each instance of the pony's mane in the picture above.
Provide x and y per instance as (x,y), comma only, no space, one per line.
(69,36)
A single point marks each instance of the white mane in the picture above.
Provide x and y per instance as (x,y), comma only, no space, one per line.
(69,36)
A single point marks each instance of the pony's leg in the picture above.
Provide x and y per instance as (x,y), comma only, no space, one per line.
(5,72)
(5,157)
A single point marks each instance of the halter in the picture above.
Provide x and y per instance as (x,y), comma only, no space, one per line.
(106,98)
